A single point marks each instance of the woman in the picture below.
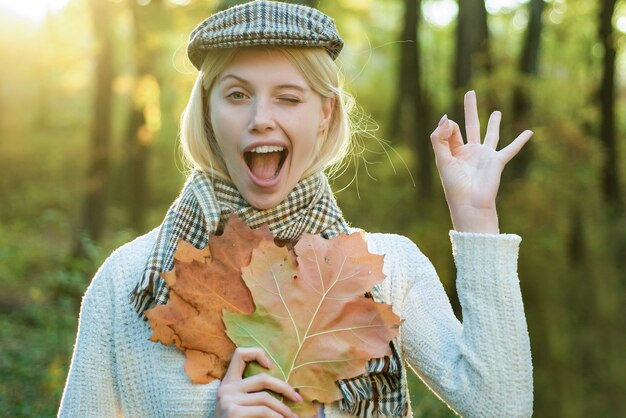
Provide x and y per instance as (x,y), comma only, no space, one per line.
(266,116)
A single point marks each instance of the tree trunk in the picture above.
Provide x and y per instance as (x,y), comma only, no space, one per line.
(576,241)
(529,60)
(409,71)
(139,132)
(93,216)
(472,50)
(422,116)
(528,69)
(606,103)
(410,117)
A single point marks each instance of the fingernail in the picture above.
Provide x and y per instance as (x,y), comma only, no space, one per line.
(443,119)
(300,399)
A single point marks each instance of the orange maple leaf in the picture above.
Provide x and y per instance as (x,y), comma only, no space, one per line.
(202,284)
(312,318)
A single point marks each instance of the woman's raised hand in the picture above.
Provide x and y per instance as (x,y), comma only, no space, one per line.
(239,397)
(470,172)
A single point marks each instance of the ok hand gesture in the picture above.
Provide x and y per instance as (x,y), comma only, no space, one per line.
(470,172)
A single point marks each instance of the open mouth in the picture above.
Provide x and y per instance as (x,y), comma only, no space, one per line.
(265,161)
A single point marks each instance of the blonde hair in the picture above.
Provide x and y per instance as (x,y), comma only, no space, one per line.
(198,143)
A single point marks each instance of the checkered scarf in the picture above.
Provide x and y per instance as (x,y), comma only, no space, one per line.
(203,208)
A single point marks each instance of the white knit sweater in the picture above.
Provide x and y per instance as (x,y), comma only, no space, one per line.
(480,368)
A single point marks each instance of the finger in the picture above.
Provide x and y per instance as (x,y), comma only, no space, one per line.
(265,399)
(456,139)
(264,381)
(472,124)
(241,357)
(493,130)
(439,139)
(511,150)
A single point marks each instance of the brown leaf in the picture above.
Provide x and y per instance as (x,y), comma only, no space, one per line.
(202,284)
(312,318)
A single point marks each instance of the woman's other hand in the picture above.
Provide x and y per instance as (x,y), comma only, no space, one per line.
(239,397)
(470,172)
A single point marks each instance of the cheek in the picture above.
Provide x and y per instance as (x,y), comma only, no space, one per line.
(227,143)
(307,147)
(310,137)
(305,123)
(225,128)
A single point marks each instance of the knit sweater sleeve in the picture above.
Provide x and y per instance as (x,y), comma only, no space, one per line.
(91,388)
(482,366)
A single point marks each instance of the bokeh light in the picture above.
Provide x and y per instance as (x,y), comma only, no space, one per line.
(441,12)
(34,10)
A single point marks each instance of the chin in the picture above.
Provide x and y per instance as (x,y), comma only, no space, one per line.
(263,202)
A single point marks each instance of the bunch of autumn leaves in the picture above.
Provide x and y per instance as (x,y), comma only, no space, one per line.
(305,306)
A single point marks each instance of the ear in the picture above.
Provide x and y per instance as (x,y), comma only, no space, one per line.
(328,108)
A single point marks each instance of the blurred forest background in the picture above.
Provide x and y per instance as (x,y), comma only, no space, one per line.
(91,92)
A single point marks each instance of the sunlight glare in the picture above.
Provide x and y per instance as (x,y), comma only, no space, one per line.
(498,6)
(520,20)
(621,24)
(179,2)
(441,12)
(34,10)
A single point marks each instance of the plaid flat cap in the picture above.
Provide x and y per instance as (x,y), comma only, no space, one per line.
(263,22)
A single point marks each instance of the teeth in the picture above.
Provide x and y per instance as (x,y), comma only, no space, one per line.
(267,148)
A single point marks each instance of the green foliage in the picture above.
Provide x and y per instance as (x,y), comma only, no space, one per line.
(34,364)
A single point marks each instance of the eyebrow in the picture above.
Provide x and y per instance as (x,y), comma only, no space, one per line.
(281,86)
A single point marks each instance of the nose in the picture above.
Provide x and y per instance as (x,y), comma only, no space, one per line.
(262,118)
